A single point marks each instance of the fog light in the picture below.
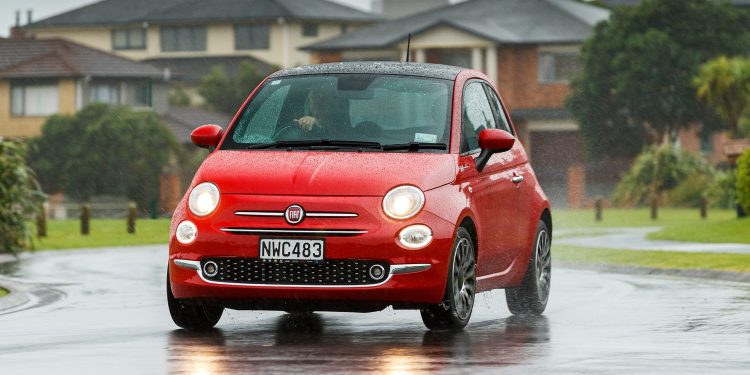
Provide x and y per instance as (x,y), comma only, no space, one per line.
(210,269)
(415,236)
(377,272)
(186,232)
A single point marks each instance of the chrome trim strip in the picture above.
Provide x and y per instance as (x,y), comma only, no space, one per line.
(307,214)
(294,231)
(259,213)
(196,265)
(330,214)
(189,264)
(401,269)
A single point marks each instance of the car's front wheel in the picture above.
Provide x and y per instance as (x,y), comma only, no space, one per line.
(455,310)
(531,297)
(192,317)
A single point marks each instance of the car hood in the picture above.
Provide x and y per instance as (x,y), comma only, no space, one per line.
(324,173)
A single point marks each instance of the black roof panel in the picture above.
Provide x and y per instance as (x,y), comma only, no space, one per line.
(365,67)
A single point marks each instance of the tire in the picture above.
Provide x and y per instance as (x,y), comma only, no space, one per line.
(192,317)
(460,289)
(531,297)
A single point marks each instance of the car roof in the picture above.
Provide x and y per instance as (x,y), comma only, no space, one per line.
(387,68)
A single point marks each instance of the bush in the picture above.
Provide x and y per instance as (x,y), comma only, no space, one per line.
(19,195)
(658,170)
(726,189)
(743,181)
(103,150)
(694,189)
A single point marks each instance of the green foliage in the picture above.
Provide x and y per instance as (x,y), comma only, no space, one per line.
(694,189)
(178,97)
(657,170)
(724,84)
(636,86)
(19,194)
(225,94)
(103,150)
(743,181)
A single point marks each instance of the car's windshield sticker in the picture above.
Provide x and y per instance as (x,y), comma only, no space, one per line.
(425,138)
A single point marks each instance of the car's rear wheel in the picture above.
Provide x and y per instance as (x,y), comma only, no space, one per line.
(455,310)
(532,296)
(192,317)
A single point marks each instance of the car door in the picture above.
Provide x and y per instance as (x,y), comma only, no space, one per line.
(491,192)
(521,176)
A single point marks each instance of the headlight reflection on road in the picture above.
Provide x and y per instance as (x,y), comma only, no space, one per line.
(399,361)
(197,355)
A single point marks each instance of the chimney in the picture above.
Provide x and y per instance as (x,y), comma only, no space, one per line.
(18,18)
(29,17)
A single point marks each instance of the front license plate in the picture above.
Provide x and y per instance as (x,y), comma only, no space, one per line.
(281,249)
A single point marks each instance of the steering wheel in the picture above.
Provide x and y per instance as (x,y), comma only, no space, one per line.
(289,132)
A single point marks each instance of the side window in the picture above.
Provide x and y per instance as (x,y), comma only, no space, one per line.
(500,116)
(477,115)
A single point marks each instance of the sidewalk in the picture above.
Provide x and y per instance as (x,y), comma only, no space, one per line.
(635,239)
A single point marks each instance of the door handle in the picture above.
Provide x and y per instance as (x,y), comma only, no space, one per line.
(517,179)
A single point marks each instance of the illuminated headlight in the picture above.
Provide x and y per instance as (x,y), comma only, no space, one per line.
(204,199)
(415,236)
(186,232)
(403,202)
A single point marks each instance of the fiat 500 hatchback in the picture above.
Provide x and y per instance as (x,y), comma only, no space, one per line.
(358,186)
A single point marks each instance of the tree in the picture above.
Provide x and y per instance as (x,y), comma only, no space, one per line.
(636,85)
(656,171)
(724,84)
(226,95)
(103,150)
(19,194)
(743,181)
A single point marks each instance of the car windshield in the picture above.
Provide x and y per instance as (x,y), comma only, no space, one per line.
(345,111)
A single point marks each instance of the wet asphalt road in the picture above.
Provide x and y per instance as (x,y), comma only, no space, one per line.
(103,312)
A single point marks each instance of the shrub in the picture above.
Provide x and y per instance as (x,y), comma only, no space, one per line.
(103,150)
(743,181)
(19,194)
(694,189)
(658,170)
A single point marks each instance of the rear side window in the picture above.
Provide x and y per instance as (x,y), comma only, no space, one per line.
(477,115)
(501,118)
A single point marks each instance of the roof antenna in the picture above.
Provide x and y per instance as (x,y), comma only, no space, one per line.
(408,49)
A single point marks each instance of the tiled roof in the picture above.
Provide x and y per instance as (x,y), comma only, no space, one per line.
(502,21)
(192,69)
(55,58)
(110,12)
(183,120)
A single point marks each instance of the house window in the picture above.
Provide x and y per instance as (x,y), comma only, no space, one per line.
(183,38)
(125,39)
(310,29)
(104,93)
(143,95)
(455,57)
(558,67)
(344,28)
(34,100)
(256,36)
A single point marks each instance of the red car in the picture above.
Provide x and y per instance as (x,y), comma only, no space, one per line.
(358,186)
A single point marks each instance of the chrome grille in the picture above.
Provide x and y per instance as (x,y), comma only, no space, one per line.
(286,272)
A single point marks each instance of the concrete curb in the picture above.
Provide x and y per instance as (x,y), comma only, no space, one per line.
(741,277)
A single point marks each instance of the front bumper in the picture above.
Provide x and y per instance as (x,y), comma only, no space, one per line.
(414,276)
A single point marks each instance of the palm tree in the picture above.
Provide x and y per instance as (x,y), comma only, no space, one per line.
(724,84)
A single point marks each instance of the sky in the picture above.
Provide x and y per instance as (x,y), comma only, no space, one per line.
(46,8)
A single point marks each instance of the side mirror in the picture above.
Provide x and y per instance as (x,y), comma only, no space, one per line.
(492,141)
(207,136)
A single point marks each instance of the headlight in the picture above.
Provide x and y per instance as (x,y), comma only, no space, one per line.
(403,202)
(415,237)
(186,232)
(203,199)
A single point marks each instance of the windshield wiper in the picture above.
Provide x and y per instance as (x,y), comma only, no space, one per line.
(415,146)
(315,143)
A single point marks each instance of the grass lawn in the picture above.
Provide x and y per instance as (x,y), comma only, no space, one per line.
(66,234)
(3,292)
(655,259)
(731,230)
(638,217)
